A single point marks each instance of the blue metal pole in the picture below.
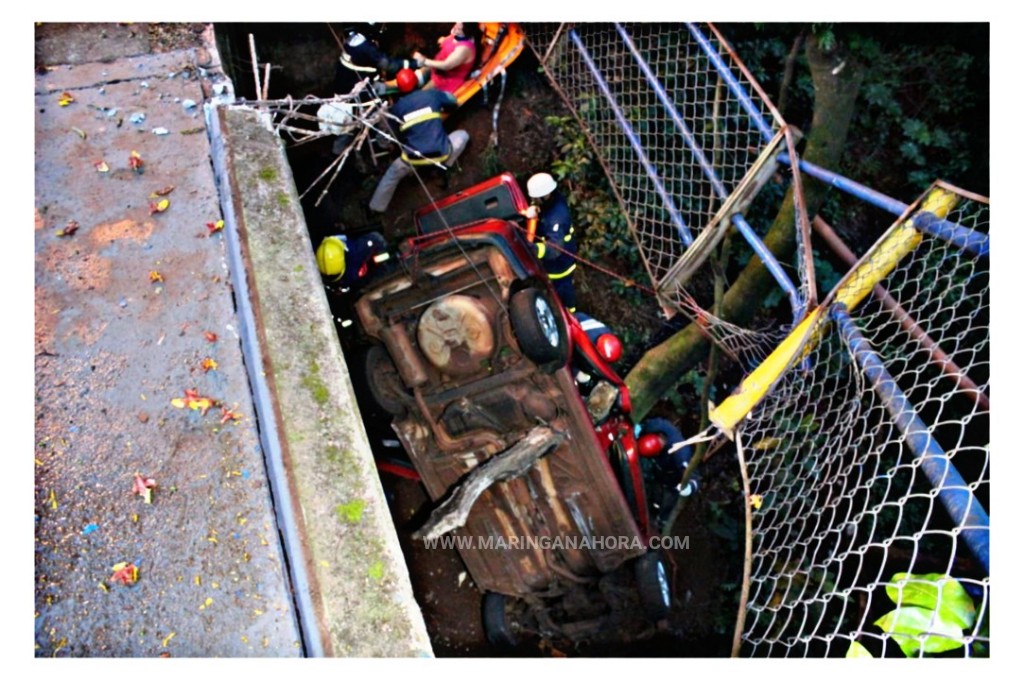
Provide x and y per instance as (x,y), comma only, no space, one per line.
(867,194)
(962,237)
(669,105)
(742,225)
(634,141)
(734,85)
(796,302)
(954,494)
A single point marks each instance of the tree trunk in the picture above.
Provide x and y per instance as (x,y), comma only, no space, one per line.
(836,85)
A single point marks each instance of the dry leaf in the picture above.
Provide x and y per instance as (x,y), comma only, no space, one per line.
(163,205)
(125,573)
(208,364)
(136,162)
(101,166)
(65,98)
(195,402)
(227,415)
(156,277)
(70,228)
(210,337)
(79,132)
(215,226)
(162,192)
(143,486)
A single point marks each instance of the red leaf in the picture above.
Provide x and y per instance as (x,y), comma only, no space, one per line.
(70,228)
(136,162)
(210,337)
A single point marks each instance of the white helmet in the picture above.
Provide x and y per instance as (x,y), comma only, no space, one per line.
(540,185)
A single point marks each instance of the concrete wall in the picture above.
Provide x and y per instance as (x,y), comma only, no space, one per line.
(352,585)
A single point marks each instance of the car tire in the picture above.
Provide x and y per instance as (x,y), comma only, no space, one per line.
(383,382)
(538,326)
(654,585)
(499,627)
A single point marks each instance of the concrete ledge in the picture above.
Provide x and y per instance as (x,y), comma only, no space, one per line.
(352,586)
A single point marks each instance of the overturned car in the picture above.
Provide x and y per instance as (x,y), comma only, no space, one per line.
(472,355)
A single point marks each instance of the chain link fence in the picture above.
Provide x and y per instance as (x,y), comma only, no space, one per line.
(869,458)
(681,130)
(868,440)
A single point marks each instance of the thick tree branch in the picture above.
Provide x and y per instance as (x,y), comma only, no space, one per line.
(509,464)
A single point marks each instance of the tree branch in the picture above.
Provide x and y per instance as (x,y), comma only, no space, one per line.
(509,464)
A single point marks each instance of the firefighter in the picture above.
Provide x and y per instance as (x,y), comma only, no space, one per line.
(423,138)
(661,442)
(555,238)
(345,261)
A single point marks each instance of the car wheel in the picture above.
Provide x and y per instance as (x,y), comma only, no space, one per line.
(654,585)
(538,325)
(383,381)
(499,627)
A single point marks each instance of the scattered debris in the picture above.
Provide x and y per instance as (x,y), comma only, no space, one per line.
(156,277)
(70,228)
(215,226)
(143,486)
(65,98)
(79,132)
(101,166)
(208,364)
(162,192)
(229,416)
(137,118)
(125,573)
(195,402)
(136,162)
(210,336)
(89,528)
(161,131)
(159,207)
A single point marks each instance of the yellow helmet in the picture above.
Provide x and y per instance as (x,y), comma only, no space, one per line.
(330,258)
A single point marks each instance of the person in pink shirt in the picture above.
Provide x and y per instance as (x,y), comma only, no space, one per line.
(454,61)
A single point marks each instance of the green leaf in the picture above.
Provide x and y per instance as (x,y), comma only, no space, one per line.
(858,651)
(916,628)
(934,592)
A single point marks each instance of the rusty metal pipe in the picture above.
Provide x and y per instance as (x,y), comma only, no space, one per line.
(406,359)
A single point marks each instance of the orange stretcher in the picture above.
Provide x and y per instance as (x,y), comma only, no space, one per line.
(500,44)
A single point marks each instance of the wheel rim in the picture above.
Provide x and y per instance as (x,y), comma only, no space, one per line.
(546,318)
(663,585)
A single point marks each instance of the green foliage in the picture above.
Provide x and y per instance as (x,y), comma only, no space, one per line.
(858,651)
(596,213)
(932,611)
(825,36)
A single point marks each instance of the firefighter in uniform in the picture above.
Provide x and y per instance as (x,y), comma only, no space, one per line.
(555,239)
(424,141)
(346,261)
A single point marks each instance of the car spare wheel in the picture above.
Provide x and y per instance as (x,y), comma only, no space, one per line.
(456,334)
(654,585)
(499,626)
(384,383)
(539,328)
